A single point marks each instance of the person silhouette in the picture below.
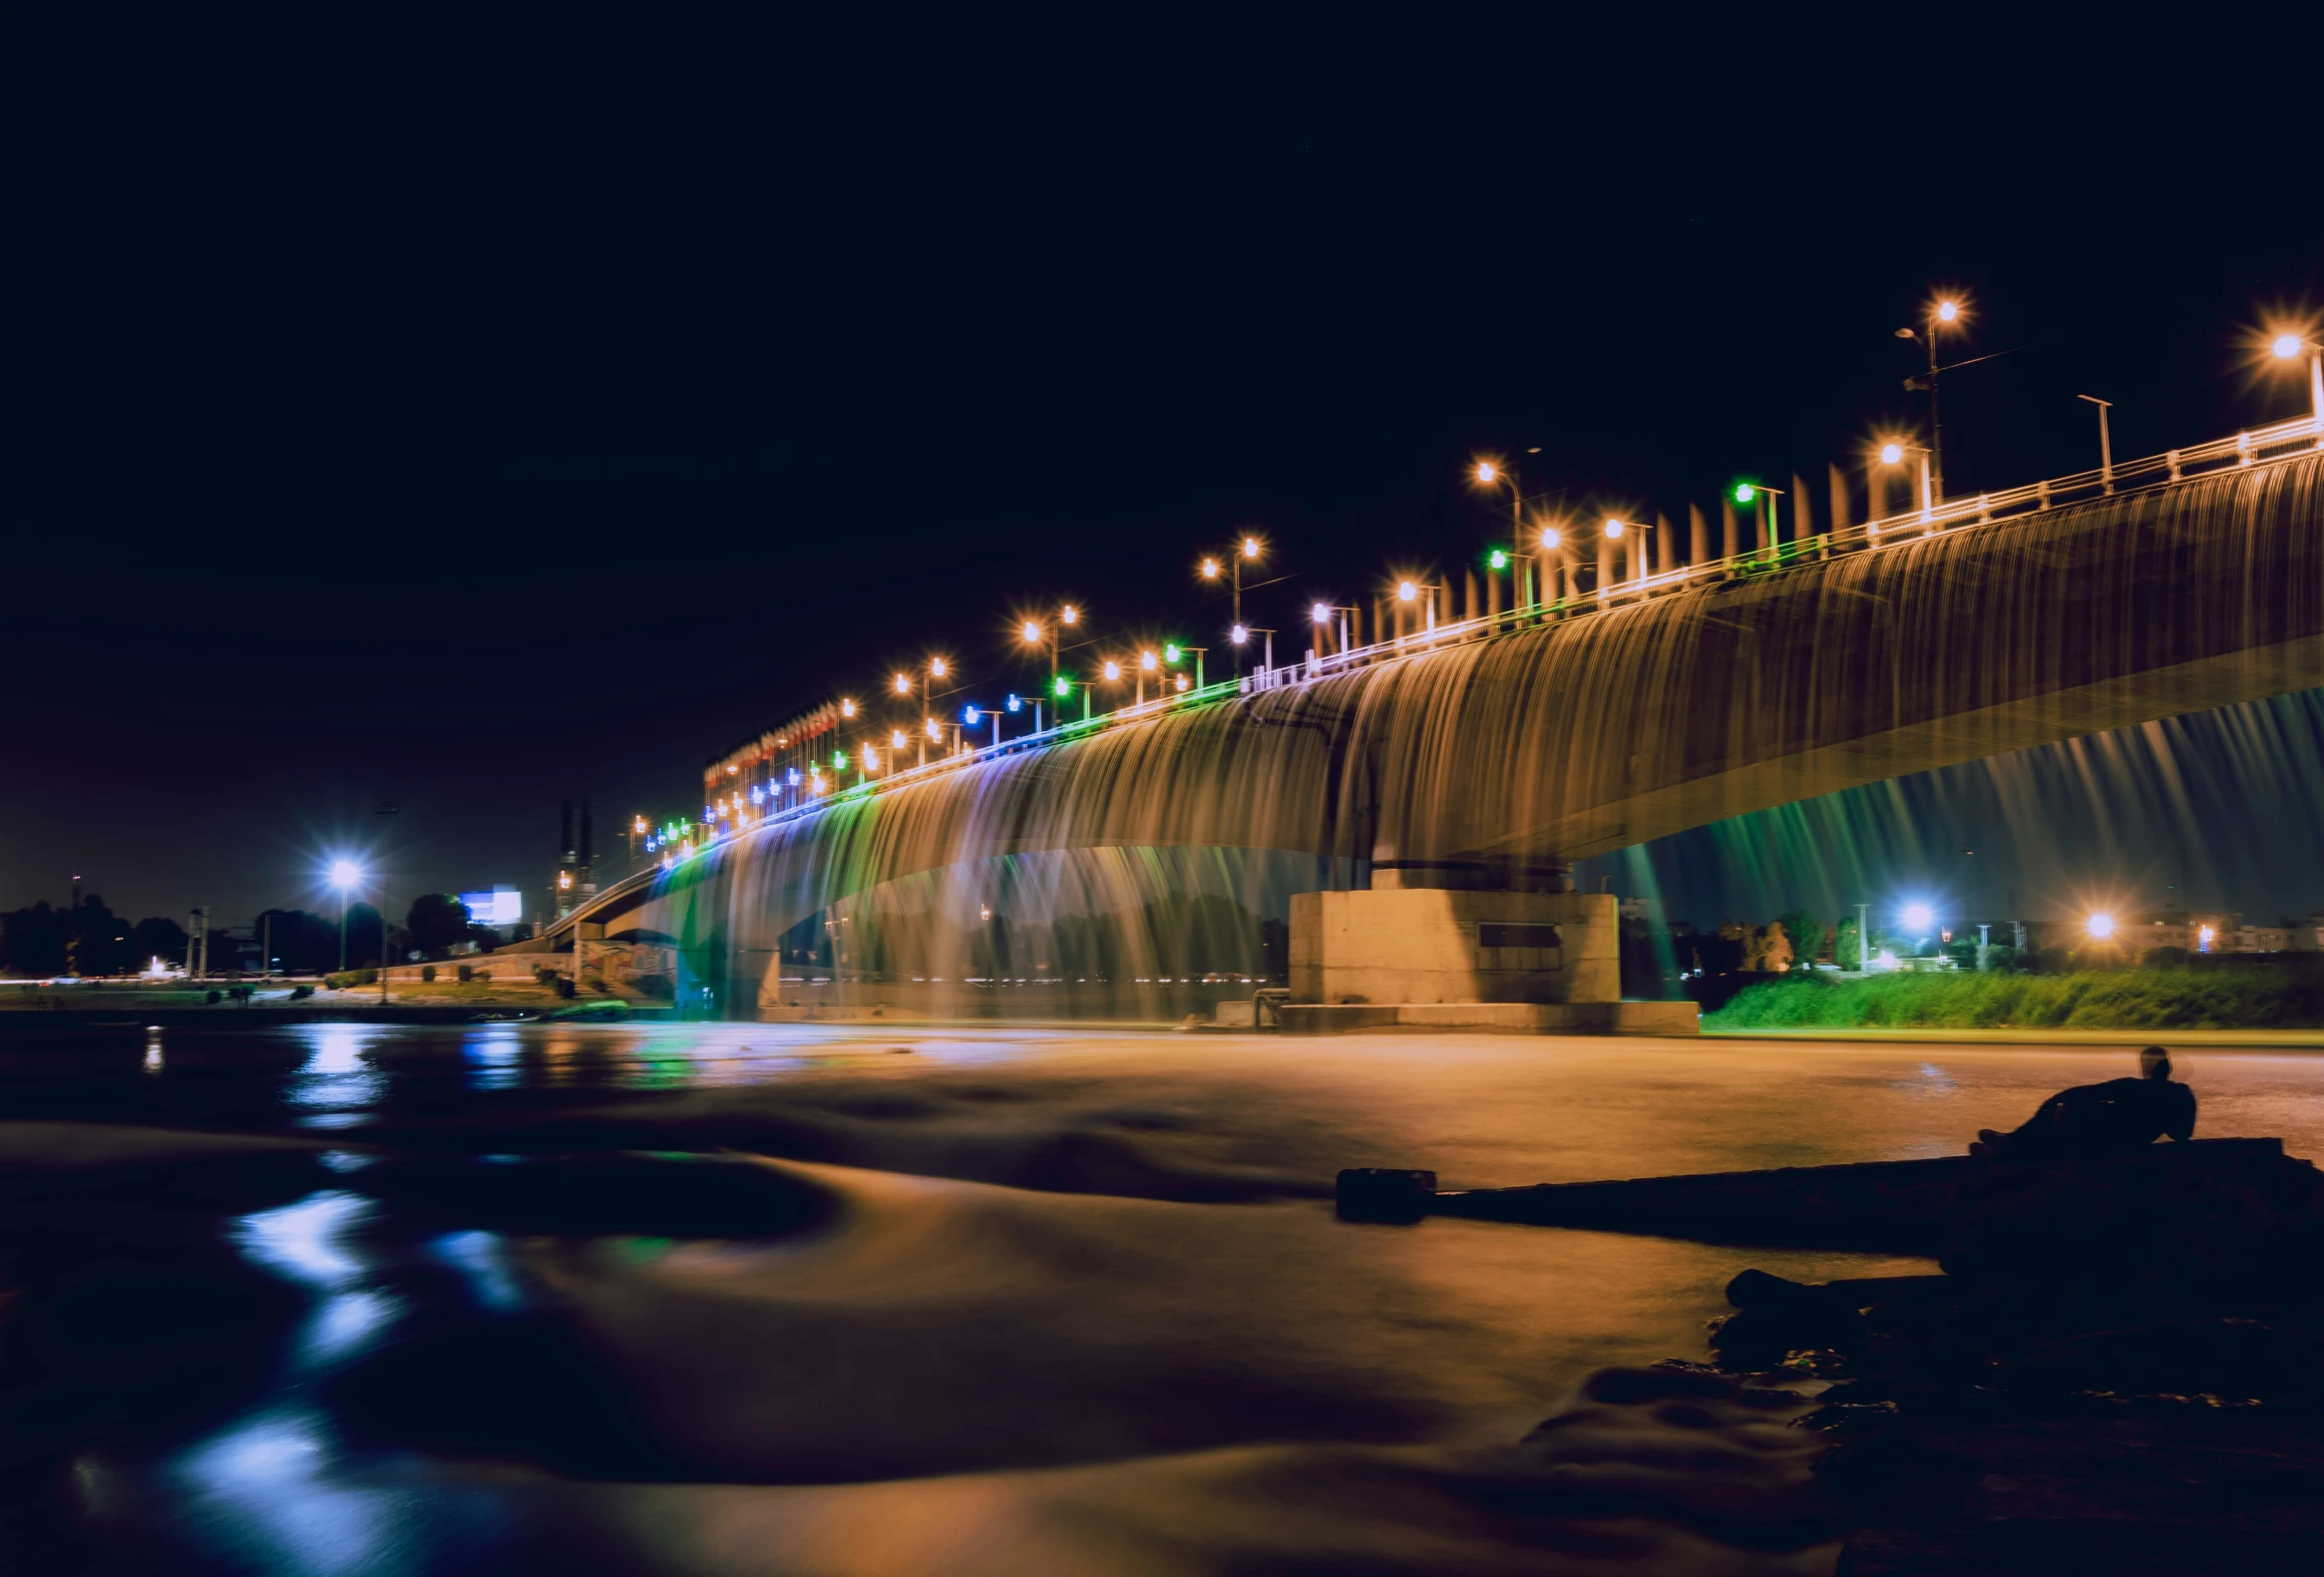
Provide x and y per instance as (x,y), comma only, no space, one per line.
(2091,1121)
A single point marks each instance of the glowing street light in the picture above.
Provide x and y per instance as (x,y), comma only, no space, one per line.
(1490,473)
(1246,551)
(2101,926)
(1917,917)
(1613,527)
(2286,348)
(346,875)
(1893,452)
(1944,312)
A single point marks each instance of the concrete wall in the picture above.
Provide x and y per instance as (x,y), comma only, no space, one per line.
(1426,944)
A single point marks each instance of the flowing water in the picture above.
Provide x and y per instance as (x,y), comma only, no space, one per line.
(1162,847)
(351,1299)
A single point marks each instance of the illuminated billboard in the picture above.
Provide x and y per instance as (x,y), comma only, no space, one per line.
(503,905)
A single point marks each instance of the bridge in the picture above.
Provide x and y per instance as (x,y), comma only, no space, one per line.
(1490,753)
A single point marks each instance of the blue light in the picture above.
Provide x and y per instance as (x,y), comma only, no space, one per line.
(969,715)
(794,777)
(1016,704)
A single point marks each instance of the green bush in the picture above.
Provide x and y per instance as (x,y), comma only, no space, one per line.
(348,979)
(465,973)
(427,975)
(2168,999)
(299,993)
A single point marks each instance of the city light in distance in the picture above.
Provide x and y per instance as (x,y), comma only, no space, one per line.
(1917,917)
(2101,926)
(2205,936)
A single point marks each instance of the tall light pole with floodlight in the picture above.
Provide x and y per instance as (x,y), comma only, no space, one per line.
(345,875)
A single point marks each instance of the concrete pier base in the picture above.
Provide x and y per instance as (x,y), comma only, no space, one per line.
(1541,1019)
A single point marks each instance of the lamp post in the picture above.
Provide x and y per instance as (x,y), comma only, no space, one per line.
(1943,312)
(1893,453)
(1489,474)
(345,875)
(1616,530)
(2105,442)
(2286,348)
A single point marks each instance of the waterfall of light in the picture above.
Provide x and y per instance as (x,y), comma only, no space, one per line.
(1566,740)
(2214,810)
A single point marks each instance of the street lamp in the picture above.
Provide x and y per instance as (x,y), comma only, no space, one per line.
(1944,312)
(2286,348)
(346,873)
(1032,633)
(2105,441)
(1893,452)
(1490,473)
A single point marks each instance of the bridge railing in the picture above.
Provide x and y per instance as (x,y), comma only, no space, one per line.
(2257,446)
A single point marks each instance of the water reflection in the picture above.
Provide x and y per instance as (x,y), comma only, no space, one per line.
(338,1081)
(306,1241)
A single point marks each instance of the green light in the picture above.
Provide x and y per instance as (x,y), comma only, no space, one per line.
(839,758)
(1744,492)
(1170,654)
(1499,559)
(1065,686)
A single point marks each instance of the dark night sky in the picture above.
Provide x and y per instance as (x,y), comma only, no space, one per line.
(473,421)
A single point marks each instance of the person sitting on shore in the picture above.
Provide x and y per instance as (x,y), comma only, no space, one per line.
(2092,1121)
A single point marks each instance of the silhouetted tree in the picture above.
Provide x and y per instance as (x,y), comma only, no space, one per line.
(436,920)
(157,938)
(32,941)
(97,940)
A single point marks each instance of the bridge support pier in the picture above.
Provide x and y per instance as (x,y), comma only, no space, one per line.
(1459,947)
